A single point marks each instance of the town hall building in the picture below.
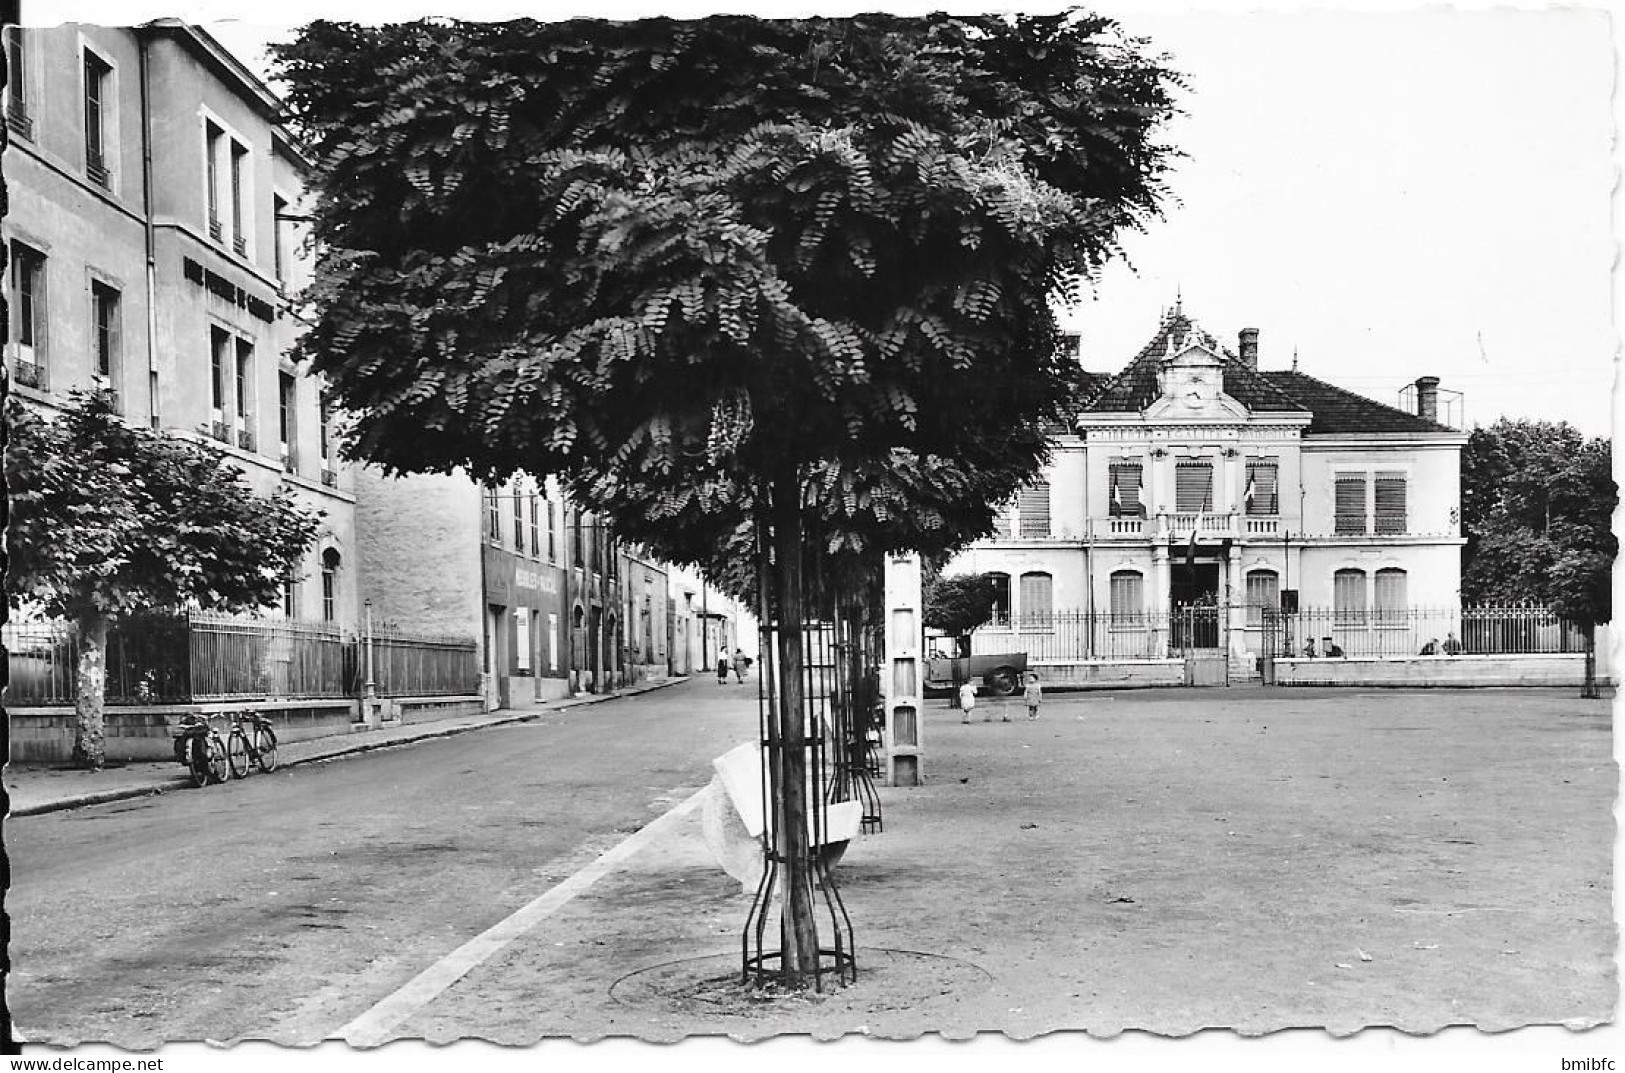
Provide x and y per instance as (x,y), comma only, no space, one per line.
(1196,496)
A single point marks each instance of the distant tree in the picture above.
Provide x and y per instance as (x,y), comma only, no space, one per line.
(957,604)
(109,519)
(724,277)
(1537,509)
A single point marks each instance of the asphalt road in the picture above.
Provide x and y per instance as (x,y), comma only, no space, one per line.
(282,906)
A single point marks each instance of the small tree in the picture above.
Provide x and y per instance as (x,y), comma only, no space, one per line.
(109,519)
(959,603)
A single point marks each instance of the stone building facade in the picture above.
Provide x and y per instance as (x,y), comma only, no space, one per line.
(1193,478)
(151,244)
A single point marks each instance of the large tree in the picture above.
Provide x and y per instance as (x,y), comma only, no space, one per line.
(108,519)
(956,604)
(726,276)
(1537,502)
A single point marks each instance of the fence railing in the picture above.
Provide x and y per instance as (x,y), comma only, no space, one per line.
(203,656)
(418,665)
(1392,632)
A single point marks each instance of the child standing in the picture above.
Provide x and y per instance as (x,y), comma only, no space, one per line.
(1034,694)
(967,700)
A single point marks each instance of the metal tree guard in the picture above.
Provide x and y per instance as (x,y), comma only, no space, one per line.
(783,733)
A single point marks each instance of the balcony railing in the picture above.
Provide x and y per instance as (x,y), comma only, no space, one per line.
(96,170)
(220,430)
(240,244)
(245,439)
(330,478)
(290,459)
(214,229)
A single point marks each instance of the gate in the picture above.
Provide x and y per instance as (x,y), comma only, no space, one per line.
(1200,633)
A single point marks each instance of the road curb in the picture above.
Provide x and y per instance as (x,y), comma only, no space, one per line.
(340,749)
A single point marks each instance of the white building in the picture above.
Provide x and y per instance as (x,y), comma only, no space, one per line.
(1193,478)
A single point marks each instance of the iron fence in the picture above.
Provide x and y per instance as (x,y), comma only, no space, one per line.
(417,665)
(1499,629)
(204,656)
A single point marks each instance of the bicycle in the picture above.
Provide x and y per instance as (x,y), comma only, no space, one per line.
(199,746)
(243,747)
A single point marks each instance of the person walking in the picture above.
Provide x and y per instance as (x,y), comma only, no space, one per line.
(741,664)
(1033,694)
(722,669)
(967,701)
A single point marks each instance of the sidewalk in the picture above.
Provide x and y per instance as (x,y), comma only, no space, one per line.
(37,788)
(1250,859)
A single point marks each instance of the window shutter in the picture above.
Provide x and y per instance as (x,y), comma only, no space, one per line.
(1125,498)
(1390,504)
(1035,596)
(1193,487)
(1034,510)
(1127,602)
(1262,481)
(1350,505)
(1348,596)
(1391,595)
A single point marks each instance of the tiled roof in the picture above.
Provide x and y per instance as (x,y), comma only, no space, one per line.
(1332,409)
(1337,410)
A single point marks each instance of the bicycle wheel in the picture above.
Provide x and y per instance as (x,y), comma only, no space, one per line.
(219,767)
(265,748)
(237,753)
(197,762)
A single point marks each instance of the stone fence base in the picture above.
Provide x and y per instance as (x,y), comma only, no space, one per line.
(1111,674)
(1421,672)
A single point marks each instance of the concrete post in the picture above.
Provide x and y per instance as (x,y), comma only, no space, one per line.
(903,674)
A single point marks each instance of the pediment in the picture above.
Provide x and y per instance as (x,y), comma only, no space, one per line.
(1200,408)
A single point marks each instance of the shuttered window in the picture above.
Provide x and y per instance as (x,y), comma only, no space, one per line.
(1128,597)
(1034,510)
(1124,479)
(1260,496)
(1193,486)
(1391,595)
(1349,510)
(1348,597)
(1263,590)
(1001,597)
(1390,503)
(1001,523)
(1035,596)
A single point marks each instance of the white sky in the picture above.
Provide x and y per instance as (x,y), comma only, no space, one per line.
(1389,193)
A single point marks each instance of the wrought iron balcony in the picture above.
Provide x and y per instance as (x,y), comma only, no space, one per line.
(18,119)
(330,478)
(220,431)
(245,439)
(214,228)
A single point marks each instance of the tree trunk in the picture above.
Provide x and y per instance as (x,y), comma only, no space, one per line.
(798,932)
(90,694)
(1589,691)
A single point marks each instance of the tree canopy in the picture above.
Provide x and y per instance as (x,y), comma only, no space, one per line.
(670,261)
(108,518)
(1537,503)
(956,604)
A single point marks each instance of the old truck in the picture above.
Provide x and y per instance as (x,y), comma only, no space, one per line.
(1000,673)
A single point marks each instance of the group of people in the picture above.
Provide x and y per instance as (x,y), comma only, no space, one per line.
(1330,648)
(1033,695)
(1451,646)
(740,664)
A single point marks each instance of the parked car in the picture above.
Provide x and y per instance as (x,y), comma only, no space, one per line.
(1001,673)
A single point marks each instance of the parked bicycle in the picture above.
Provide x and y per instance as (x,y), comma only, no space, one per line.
(200,748)
(254,743)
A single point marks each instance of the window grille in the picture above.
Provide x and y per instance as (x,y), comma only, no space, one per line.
(1001,597)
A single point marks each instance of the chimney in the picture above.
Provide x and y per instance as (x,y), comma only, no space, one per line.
(1427,398)
(1249,348)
